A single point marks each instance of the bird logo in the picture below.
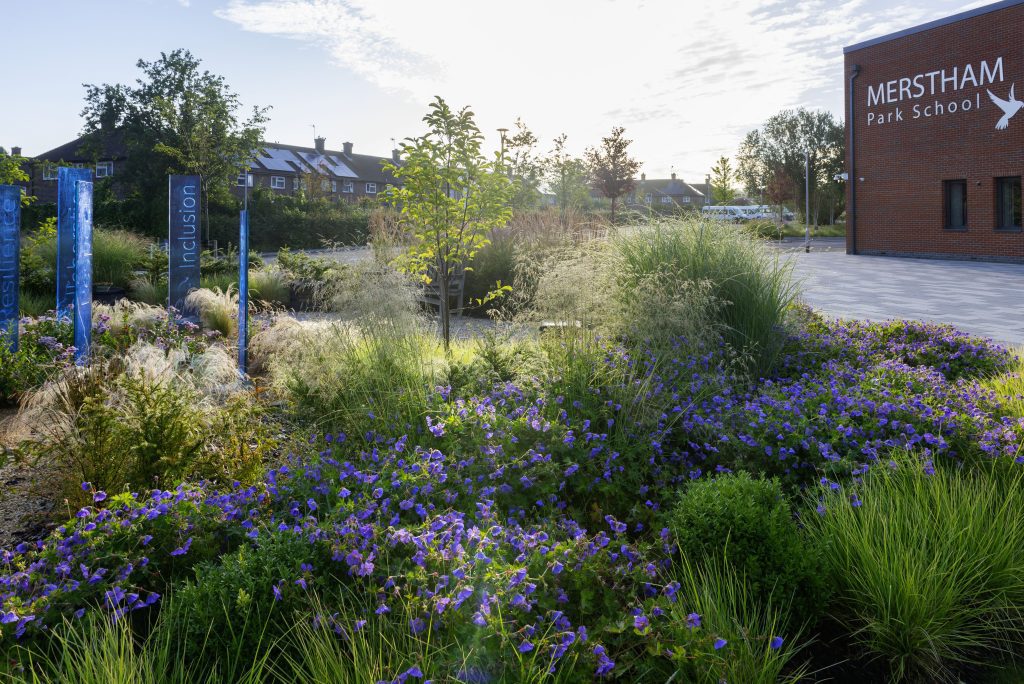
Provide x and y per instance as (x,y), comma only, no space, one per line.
(1009,107)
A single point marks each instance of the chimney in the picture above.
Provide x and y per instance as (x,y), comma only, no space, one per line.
(394,156)
(348,149)
(673,175)
(319,143)
(15,151)
(643,176)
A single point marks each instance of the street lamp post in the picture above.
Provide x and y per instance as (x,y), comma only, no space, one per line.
(807,202)
(502,132)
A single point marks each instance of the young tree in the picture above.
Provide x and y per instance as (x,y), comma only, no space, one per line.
(611,167)
(722,179)
(175,119)
(450,198)
(567,178)
(523,168)
(779,189)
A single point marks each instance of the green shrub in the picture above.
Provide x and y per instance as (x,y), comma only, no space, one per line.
(927,570)
(1009,387)
(231,611)
(115,255)
(495,263)
(749,522)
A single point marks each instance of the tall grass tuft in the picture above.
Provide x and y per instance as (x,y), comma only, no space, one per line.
(348,376)
(748,289)
(217,309)
(729,609)
(269,285)
(1009,387)
(927,570)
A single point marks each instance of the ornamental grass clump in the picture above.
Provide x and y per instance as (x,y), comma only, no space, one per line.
(217,309)
(927,567)
(747,289)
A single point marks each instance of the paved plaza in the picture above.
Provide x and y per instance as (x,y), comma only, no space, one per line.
(978,297)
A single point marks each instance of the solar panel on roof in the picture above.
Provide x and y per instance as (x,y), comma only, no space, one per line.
(277,159)
(328,164)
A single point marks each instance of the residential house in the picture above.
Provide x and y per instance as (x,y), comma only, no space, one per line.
(664,193)
(285,169)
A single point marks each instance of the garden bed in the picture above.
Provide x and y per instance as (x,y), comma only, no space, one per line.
(695,488)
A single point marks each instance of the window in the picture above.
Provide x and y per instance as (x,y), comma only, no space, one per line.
(631,198)
(647,198)
(240,181)
(686,199)
(955,204)
(666,200)
(104,169)
(277,182)
(50,172)
(1008,203)
(295,183)
(334,186)
(371,188)
(348,186)
(324,185)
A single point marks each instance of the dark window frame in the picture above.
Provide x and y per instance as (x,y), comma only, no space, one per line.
(1000,183)
(947,186)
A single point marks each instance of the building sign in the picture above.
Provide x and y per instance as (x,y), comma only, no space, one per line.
(83,271)
(10,240)
(968,89)
(183,246)
(67,215)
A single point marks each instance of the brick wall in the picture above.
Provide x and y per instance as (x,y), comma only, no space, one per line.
(900,201)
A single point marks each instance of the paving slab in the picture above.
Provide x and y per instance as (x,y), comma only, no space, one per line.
(981,298)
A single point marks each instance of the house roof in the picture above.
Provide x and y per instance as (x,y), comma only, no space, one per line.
(97,146)
(670,187)
(299,159)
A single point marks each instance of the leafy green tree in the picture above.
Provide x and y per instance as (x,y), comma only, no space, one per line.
(780,144)
(567,179)
(722,179)
(450,198)
(12,171)
(523,167)
(611,168)
(177,118)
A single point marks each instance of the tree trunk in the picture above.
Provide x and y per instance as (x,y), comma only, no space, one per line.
(443,279)
(613,210)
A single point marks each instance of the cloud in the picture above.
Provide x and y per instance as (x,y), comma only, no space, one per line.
(679,75)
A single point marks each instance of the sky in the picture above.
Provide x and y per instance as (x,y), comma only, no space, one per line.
(686,79)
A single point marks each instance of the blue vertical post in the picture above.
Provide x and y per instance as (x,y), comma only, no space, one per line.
(182,238)
(10,252)
(243,293)
(67,216)
(83,272)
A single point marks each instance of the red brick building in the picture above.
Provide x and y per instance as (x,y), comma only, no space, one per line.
(935,148)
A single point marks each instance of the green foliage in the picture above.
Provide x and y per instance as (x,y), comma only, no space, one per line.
(722,179)
(12,172)
(450,198)
(229,611)
(752,287)
(116,254)
(42,353)
(523,167)
(927,569)
(1009,387)
(771,159)
(749,523)
(611,167)
(217,308)
(303,222)
(568,179)
(270,286)
(177,118)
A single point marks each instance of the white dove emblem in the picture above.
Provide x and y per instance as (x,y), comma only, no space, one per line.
(1009,107)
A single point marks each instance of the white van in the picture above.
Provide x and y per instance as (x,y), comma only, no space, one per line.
(725,213)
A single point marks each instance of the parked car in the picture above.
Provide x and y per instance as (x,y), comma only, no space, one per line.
(725,213)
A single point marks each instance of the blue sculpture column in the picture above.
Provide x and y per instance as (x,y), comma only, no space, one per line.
(10,253)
